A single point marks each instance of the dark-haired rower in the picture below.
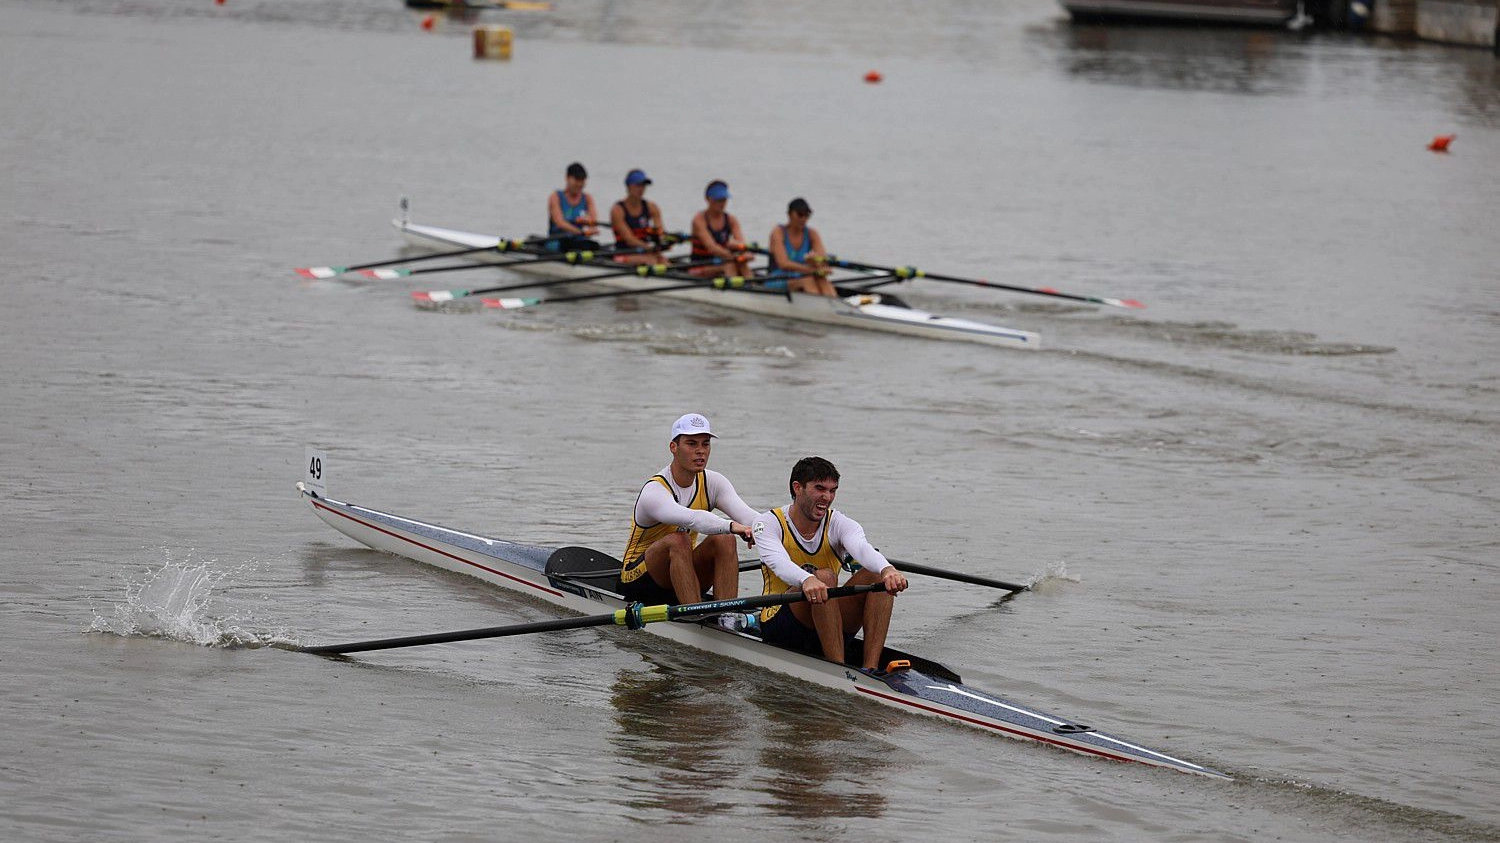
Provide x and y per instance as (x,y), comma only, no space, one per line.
(571,217)
(802,546)
(797,253)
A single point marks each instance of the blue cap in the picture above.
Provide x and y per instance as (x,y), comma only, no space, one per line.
(717,190)
(637,177)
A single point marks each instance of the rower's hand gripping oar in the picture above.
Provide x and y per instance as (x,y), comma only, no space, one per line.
(320,272)
(633,616)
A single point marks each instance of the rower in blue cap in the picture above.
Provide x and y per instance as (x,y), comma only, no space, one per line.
(716,234)
(636,221)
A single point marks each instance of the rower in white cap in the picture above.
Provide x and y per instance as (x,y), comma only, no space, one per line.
(663,562)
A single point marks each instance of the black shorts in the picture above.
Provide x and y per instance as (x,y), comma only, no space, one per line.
(645,590)
(785,630)
(573,243)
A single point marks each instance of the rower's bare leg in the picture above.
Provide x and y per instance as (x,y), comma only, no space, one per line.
(716,560)
(726,574)
(712,270)
(875,617)
(813,284)
(826,619)
(633,260)
(669,561)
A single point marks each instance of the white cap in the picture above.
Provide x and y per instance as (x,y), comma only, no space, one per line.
(692,424)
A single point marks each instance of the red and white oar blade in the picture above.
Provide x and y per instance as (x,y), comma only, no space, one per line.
(320,272)
(438,296)
(1050,291)
(385,274)
(511,304)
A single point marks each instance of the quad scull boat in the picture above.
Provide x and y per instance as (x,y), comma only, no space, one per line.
(869,310)
(582,581)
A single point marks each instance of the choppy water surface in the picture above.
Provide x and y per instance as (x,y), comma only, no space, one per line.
(1261,512)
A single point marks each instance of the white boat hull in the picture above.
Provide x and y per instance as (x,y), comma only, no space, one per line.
(857,311)
(927,688)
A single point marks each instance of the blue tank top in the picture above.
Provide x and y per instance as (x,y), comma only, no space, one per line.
(571,213)
(797,255)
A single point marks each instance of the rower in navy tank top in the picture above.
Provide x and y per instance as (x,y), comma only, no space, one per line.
(640,230)
(717,235)
(639,224)
(571,214)
(720,236)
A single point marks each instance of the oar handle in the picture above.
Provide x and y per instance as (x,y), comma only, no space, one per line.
(759,601)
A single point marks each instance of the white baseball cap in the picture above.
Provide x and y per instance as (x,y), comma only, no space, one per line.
(692,424)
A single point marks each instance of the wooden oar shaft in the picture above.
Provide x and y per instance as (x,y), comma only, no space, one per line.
(633,616)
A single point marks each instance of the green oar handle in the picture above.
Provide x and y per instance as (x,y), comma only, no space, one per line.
(737,604)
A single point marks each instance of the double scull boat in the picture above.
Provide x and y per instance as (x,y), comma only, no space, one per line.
(583,581)
(869,310)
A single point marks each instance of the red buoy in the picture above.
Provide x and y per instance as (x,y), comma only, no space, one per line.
(428,22)
(873,77)
(1440,143)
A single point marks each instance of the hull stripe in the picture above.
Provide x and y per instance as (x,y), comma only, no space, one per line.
(438,551)
(1076,747)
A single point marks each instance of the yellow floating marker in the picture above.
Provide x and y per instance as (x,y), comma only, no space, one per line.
(492,42)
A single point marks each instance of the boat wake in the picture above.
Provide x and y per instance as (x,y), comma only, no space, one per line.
(183,601)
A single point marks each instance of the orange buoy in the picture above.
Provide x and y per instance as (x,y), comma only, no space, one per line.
(1440,143)
(874,77)
(428,22)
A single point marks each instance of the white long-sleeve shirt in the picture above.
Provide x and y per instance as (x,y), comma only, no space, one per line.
(845,535)
(656,505)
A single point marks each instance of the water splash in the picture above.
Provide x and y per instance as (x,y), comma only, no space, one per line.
(183,601)
(1057,570)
